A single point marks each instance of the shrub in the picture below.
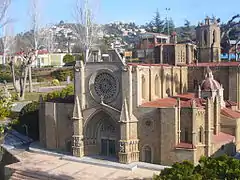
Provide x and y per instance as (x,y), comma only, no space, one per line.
(62,74)
(40,79)
(78,57)
(222,167)
(55,82)
(5,76)
(69,90)
(28,117)
(5,105)
(68,58)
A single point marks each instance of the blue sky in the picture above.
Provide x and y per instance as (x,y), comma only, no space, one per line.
(139,11)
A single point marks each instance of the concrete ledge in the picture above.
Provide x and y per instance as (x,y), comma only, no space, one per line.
(98,162)
(42,151)
(150,166)
(34,147)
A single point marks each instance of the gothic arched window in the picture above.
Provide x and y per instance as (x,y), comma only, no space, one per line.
(195,84)
(157,86)
(214,36)
(200,134)
(186,135)
(143,88)
(168,84)
(205,36)
(147,154)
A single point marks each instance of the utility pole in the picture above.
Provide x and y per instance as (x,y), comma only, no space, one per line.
(167,10)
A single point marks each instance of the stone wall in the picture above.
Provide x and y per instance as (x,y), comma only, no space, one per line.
(148,127)
(158,82)
(185,155)
(56,126)
(168,129)
(7,158)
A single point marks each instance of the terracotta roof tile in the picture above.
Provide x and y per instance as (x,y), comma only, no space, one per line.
(230,113)
(211,64)
(185,145)
(230,103)
(214,64)
(144,64)
(223,138)
(164,102)
(186,100)
(185,96)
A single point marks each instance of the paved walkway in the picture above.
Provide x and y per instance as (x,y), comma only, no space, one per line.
(54,166)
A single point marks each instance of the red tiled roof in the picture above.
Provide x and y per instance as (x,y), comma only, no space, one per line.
(39,52)
(230,113)
(186,100)
(144,64)
(199,103)
(230,103)
(211,64)
(186,96)
(185,145)
(223,138)
(164,102)
(214,64)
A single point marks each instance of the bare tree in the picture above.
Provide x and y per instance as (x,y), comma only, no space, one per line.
(4,5)
(226,29)
(85,29)
(36,39)
(4,20)
(8,42)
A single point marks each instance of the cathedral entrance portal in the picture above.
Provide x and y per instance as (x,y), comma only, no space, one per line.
(102,136)
(108,147)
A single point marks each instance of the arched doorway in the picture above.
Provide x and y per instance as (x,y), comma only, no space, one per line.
(147,154)
(101,135)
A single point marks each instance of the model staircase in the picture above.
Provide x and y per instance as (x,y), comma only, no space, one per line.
(25,175)
(20,175)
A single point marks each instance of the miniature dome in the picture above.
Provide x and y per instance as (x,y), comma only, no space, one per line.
(210,84)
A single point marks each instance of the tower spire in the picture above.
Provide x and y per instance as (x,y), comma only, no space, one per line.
(77,113)
(124,116)
(78,145)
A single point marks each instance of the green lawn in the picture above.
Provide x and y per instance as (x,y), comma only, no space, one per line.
(33,96)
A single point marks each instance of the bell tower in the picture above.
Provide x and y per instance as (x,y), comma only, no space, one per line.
(208,41)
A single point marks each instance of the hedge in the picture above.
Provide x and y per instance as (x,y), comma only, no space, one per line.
(29,117)
(62,74)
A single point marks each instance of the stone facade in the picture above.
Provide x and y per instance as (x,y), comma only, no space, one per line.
(208,39)
(155,113)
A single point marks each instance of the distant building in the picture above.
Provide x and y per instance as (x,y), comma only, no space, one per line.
(44,59)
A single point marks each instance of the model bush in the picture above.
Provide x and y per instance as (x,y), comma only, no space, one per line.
(28,121)
(55,82)
(5,109)
(209,168)
(68,58)
(5,74)
(62,74)
(67,91)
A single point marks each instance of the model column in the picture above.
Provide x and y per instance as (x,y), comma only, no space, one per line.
(78,145)
(128,123)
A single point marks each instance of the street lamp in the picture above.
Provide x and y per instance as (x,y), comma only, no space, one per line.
(167,10)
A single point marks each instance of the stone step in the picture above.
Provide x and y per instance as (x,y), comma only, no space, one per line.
(25,175)
(20,175)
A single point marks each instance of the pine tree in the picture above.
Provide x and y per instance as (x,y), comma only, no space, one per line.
(186,35)
(169,24)
(156,25)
